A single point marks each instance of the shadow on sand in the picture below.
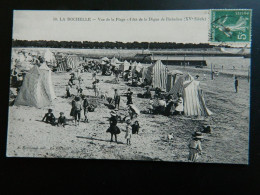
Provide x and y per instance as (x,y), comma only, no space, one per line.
(96,139)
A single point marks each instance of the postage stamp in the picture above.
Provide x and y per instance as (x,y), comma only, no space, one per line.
(230,25)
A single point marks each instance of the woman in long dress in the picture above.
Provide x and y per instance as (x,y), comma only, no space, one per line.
(113,129)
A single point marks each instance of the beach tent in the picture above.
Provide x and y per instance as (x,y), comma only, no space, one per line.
(156,74)
(138,67)
(49,57)
(172,77)
(193,98)
(48,78)
(133,66)
(125,66)
(21,57)
(37,89)
(61,61)
(115,61)
(73,61)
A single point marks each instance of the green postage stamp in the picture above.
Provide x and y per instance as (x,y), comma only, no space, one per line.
(230,25)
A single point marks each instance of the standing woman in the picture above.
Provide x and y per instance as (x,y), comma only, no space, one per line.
(77,111)
(117,99)
(129,97)
(113,129)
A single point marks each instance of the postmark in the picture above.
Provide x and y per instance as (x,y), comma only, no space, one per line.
(230,25)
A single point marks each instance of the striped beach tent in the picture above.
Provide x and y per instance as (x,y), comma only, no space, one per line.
(178,85)
(157,75)
(193,97)
(172,77)
(73,61)
(61,63)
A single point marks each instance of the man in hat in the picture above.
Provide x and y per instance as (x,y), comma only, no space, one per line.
(236,84)
(195,146)
(117,75)
(62,120)
(49,117)
(117,99)
(85,107)
(77,110)
(68,91)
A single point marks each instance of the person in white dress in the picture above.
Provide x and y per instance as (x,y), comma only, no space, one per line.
(179,105)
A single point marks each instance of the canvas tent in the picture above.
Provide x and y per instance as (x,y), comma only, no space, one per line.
(156,74)
(115,61)
(139,67)
(49,57)
(73,61)
(61,63)
(37,89)
(193,98)
(125,66)
(172,77)
(21,57)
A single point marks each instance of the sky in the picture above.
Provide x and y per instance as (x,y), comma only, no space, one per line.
(180,26)
(41,25)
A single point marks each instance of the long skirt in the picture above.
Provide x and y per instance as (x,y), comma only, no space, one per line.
(113,129)
(193,155)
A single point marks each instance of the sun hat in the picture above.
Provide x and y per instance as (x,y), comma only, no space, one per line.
(197,135)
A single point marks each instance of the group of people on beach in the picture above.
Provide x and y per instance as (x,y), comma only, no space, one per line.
(160,105)
(80,103)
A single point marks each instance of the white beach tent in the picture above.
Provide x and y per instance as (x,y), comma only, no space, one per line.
(21,57)
(49,57)
(37,89)
(193,97)
(125,66)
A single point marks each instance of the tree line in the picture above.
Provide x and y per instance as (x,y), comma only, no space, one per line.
(107,45)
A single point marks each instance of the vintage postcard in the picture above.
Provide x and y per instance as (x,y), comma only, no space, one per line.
(131,85)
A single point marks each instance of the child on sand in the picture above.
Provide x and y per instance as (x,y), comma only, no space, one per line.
(195,147)
(49,117)
(150,106)
(128,133)
(62,120)
(135,127)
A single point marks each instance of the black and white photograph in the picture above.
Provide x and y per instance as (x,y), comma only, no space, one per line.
(131,85)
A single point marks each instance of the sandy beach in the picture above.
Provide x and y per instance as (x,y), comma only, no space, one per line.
(228,142)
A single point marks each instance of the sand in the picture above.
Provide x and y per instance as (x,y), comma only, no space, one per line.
(228,142)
